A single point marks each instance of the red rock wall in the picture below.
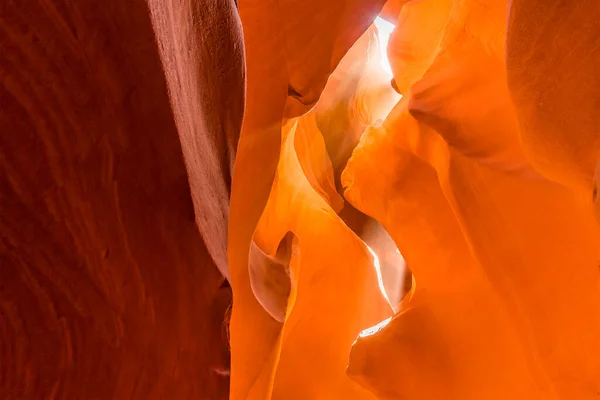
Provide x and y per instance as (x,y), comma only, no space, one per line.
(108,290)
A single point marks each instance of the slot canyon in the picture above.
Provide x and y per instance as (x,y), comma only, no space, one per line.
(299,199)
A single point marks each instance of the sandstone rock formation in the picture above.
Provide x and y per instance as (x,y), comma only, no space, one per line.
(424,232)
(505,300)
(108,288)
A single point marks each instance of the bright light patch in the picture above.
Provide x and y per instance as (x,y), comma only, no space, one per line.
(374,329)
(377,267)
(385,29)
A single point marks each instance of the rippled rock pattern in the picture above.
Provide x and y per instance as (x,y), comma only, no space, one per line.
(254,200)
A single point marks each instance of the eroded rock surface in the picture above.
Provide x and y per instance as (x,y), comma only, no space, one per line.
(108,287)
(425,233)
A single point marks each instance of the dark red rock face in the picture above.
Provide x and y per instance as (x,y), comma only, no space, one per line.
(108,289)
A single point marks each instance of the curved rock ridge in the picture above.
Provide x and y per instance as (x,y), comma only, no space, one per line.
(506,300)
(503,248)
(255,200)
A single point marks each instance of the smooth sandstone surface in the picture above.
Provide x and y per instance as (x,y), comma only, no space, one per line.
(108,287)
(286,72)
(533,243)
(504,301)
(424,232)
(553,80)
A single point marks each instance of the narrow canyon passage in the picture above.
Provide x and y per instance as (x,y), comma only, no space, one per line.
(299,200)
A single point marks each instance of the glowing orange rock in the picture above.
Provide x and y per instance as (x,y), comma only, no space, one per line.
(417,39)
(333,293)
(505,300)
(431,339)
(483,175)
(287,68)
(520,230)
(552,68)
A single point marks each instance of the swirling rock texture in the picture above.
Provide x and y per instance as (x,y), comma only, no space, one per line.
(424,232)
(483,174)
(108,287)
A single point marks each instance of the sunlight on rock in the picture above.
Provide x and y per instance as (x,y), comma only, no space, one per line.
(374,329)
(385,28)
(377,268)
(296,200)
(390,264)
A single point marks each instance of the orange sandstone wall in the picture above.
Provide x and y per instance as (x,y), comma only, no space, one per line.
(483,174)
(128,128)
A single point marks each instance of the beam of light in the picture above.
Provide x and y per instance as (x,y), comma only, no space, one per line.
(374,329)
(385,28)
(377,267)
